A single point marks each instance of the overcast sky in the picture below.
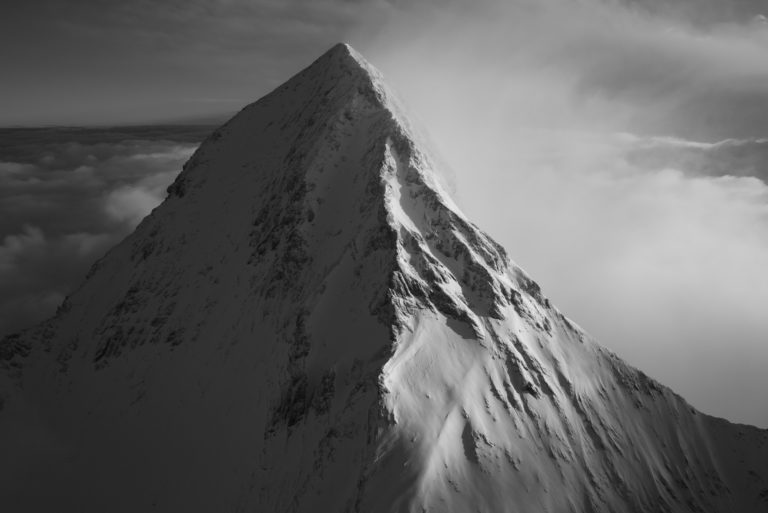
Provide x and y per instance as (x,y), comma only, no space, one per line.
(617,148)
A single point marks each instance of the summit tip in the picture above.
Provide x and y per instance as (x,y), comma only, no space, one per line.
(344,52)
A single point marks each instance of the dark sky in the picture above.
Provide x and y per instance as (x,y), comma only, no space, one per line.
(617,148)
(108,61)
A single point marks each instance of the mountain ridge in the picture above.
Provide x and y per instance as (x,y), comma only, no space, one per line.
(309,323)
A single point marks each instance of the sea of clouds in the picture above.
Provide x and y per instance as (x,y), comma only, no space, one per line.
(66,197)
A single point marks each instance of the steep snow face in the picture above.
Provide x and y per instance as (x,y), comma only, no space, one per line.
(308,323)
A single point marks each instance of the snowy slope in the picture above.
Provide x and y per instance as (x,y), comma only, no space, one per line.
(309,324)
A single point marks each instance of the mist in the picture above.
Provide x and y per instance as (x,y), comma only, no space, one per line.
(617,151)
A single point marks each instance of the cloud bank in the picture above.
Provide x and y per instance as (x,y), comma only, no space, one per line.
(66,196)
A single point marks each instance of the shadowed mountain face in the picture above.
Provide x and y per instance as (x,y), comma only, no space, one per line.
(308,323)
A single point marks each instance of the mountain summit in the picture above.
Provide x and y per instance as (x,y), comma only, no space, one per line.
(309,324)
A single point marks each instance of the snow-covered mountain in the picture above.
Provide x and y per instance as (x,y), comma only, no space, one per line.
(309,324)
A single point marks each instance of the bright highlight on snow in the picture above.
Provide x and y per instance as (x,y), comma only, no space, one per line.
(309,324)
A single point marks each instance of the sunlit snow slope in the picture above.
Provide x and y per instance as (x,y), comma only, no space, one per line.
(309,324)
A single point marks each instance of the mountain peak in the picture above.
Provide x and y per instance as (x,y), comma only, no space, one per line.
(342,159)
(344,51)
(309,323)
(339,66)
(345,55)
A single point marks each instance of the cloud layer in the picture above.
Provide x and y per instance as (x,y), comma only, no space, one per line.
(66,196)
